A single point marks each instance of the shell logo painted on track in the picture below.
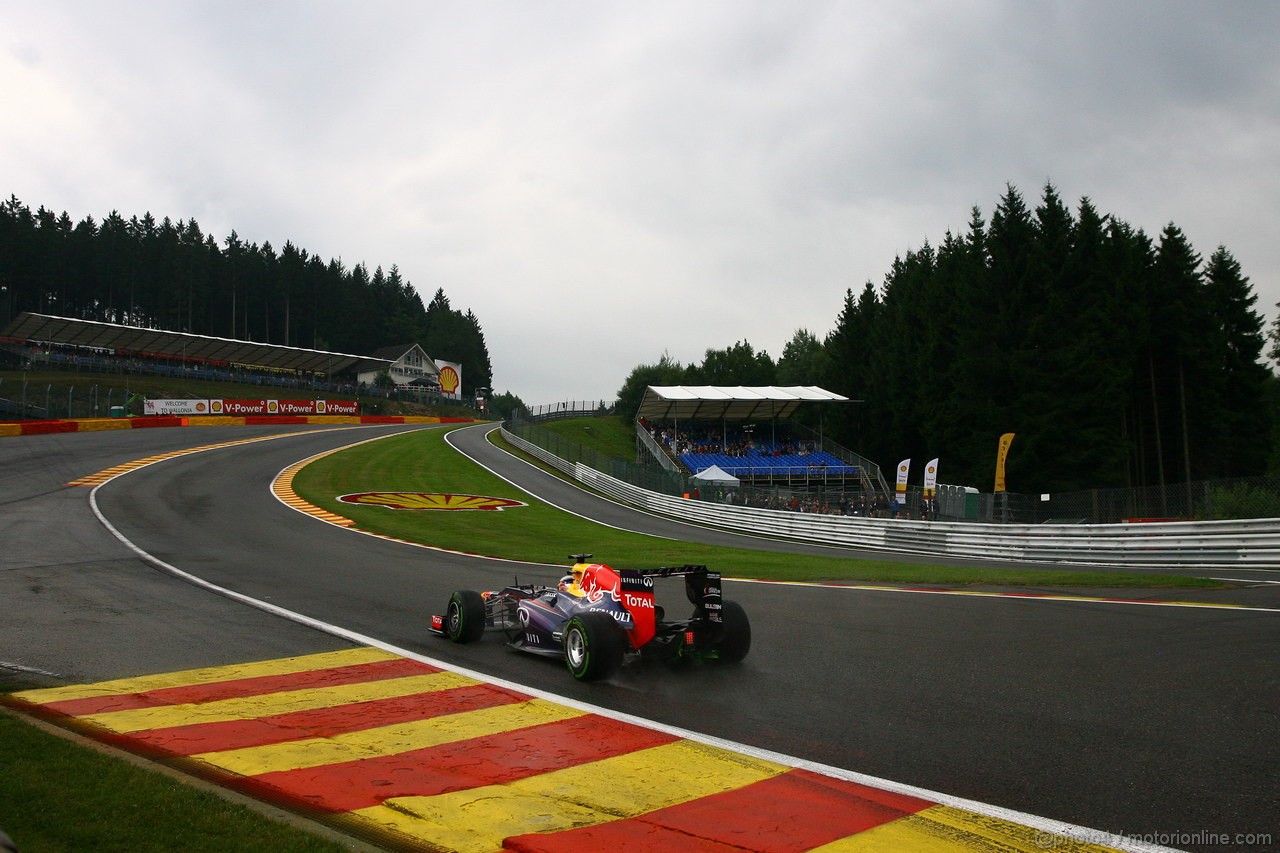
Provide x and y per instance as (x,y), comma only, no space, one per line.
(427,500)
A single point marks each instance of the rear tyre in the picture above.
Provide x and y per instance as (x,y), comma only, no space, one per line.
(593,646)
(464,619)
(735,632)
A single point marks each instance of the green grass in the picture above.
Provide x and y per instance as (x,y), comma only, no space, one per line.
(608,435)
(61,796)
(420,461)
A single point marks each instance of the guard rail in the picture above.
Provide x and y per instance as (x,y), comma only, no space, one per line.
(1247,543)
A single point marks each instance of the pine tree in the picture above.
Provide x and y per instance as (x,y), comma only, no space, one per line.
(1179,357)
(848,353)
(1241,447)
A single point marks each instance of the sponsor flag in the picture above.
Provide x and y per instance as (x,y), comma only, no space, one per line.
(450,379)
(1001,454)
(930,479)
(903,467)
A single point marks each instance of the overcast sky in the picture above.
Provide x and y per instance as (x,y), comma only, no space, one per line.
(605,182)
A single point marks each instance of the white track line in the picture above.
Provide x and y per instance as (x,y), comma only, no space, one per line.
(1051,829)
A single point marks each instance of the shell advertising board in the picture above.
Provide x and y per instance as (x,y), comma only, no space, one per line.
(241,408)
(450,379)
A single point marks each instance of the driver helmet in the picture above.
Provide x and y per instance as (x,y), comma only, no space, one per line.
(572,582)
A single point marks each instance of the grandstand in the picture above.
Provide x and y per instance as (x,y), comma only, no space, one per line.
(748,435)
(69,339)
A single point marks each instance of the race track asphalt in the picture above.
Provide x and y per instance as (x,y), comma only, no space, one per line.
(1129,719)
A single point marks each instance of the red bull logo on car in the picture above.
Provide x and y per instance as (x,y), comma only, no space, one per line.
(635,595)
(599,580)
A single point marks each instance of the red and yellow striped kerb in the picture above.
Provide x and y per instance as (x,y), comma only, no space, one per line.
(418,757)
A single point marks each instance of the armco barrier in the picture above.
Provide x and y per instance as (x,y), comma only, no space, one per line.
(1249,543)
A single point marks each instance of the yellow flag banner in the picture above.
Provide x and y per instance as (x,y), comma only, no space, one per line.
(903,467)
(1001,455)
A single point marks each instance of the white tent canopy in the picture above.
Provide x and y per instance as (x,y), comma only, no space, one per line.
(716,474)
(734,403)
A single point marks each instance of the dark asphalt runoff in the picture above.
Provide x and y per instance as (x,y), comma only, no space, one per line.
(1128,719)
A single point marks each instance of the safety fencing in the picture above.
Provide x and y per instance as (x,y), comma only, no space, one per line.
(650,477)
(1250,543)
(569,409)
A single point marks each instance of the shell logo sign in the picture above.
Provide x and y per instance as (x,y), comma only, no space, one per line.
(449,380)
(427,500)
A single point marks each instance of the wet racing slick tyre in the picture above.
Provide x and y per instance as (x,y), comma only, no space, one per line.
(464,618)
(735,632)
(593,646)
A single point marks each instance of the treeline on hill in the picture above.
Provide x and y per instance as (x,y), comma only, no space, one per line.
(170,275)
(1116,359)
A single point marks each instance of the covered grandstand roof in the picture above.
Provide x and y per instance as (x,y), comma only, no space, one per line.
(735,403)
(43,328)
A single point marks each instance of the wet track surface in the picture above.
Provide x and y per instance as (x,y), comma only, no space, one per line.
(1128,719)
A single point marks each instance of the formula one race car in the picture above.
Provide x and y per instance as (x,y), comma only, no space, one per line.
(599,618)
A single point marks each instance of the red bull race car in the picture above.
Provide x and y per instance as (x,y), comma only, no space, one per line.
(599,618)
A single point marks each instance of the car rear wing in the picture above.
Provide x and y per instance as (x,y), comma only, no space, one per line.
(701,585)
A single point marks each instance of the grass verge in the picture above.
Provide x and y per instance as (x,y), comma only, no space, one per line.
(60,795)
(420,461)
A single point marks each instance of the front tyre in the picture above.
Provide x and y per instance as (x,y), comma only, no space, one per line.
(593,646)
(464,619)
(735,632)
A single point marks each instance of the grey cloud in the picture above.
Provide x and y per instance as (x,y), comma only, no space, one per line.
(634,178)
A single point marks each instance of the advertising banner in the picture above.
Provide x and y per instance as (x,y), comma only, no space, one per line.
(450,379)
(337,407)
(291,407)
(931,479)
(1002,453)
(239,407)
(903,467)
(175,407)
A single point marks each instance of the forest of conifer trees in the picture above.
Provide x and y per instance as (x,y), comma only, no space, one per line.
(1118,360)
(170,275)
